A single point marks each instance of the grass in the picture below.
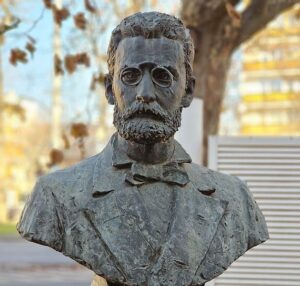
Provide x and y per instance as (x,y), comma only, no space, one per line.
(8,229)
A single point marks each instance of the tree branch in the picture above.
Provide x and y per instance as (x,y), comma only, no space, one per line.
(5,28)
(36,22)
(258,14)
(196,13)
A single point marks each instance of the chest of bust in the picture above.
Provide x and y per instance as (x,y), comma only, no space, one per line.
(146,228)
(158,199)
(133,222)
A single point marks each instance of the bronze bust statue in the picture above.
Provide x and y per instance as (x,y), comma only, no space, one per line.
(140,212)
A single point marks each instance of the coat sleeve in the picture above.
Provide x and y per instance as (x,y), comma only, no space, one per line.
(41,219)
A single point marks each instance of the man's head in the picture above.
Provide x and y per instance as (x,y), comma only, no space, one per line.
(150,78)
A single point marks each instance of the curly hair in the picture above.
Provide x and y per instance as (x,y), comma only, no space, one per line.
(152,25)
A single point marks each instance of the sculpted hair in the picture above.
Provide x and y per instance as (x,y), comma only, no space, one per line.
(152,25)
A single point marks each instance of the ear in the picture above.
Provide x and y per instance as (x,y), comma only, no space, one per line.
(189,92)
(108,89)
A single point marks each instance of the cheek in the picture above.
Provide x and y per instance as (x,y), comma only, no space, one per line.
(124,95)
(117,90)
(171,98)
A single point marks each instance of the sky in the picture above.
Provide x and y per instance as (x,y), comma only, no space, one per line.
(34,80)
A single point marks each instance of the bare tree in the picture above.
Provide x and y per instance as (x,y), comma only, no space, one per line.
(218,30)
(7,23)
(56,124)
(90,22)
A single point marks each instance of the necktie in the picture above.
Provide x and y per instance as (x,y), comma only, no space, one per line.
(171,173)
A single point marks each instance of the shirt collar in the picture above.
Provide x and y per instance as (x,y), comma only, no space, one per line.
(120,158)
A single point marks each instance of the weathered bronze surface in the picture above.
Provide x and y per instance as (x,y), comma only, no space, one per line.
(140,212)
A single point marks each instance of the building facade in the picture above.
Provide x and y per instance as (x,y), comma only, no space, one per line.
(270,79)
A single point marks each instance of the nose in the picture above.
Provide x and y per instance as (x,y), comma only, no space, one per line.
(146,91)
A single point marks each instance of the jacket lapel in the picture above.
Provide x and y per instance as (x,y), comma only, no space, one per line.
(116,212)
(118,216)
(127,198)
(196,218)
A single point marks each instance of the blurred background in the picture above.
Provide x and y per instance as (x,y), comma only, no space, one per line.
(53,111)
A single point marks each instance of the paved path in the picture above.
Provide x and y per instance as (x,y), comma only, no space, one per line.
(28,264)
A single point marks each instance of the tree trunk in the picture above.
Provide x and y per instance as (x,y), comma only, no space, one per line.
(210,69)
(214,45)
(215,89)
(217,30)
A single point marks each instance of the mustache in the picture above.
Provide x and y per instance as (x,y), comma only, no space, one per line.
(153,109)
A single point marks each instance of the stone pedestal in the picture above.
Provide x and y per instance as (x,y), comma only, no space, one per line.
(99,281)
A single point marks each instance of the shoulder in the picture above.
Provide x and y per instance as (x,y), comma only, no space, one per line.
(84,167)
(241,207)
(225,185)
(71,178)
(55,197)
(232,189)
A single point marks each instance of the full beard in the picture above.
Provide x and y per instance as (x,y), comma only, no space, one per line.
(146,123)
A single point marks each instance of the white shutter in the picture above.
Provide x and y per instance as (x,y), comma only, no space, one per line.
(271,168)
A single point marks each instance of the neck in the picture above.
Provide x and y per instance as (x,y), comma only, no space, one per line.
(147,153)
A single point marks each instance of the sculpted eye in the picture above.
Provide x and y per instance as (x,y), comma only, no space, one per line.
(131,76)
(162,77)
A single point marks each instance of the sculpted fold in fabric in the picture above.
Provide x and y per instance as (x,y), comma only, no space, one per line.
(93,215)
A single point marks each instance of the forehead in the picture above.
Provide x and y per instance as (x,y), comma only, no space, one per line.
(160,51)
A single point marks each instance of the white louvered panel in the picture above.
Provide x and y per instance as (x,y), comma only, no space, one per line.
(271,168)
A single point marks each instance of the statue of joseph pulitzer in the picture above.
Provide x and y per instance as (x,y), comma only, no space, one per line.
(140,212)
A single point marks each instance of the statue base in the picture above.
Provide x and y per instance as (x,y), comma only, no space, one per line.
(99,281)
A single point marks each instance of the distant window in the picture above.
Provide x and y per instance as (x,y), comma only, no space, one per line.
(276,85)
